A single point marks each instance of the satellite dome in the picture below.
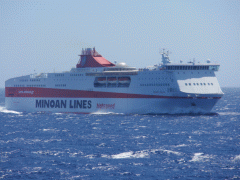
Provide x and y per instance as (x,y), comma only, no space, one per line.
(121,64)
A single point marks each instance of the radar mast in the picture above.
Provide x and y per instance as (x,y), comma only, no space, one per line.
(165,57)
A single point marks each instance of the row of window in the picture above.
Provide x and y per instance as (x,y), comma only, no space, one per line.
(56,75)
(34,79)
(26,80)
(17,85)
(119,69)
(34,85)
(199,84)
(37,85)
(198,72)
(187,67)
(80,79)
(76,74)
(162,78)
(155,84)
(60,85)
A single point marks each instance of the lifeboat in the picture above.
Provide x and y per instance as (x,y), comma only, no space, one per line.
(112,80)
(101,80)
(124,79)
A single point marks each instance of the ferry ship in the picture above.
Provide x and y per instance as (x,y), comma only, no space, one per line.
(97,85)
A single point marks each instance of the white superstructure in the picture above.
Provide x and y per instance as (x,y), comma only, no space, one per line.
(97,85)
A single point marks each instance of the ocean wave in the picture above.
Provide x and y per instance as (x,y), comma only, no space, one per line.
(236,158)
(128,155)
(139,154)
(4,110)
(200,157)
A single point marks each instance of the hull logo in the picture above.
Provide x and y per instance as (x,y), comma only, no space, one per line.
(72,104)
(25,92)
(105,106)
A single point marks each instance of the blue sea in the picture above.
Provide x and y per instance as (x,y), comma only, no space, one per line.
(119,146)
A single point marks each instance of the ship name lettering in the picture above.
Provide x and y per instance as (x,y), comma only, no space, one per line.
(51,103)
(82,104)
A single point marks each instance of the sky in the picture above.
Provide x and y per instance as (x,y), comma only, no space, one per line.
(48,35)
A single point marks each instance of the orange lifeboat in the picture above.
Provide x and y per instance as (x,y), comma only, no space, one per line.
(102,79)
(124,79)
(112,80)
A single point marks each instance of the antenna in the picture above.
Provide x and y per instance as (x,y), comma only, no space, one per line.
(165,58)
(161,51)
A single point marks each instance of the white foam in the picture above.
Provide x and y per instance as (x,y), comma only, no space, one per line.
(166,151)
(105,113)
(200,157)
(59,113)
(4,110)
(53,130)
(181,145)
(123,155)
(128,155)
(90,156)
(104,168)
(138,137)
(237,158)
(139,154)
(229,113)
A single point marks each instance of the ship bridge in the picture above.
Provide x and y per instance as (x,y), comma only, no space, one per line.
(166,64)
(213,67)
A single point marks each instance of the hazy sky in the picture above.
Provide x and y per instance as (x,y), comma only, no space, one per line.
(43,36)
